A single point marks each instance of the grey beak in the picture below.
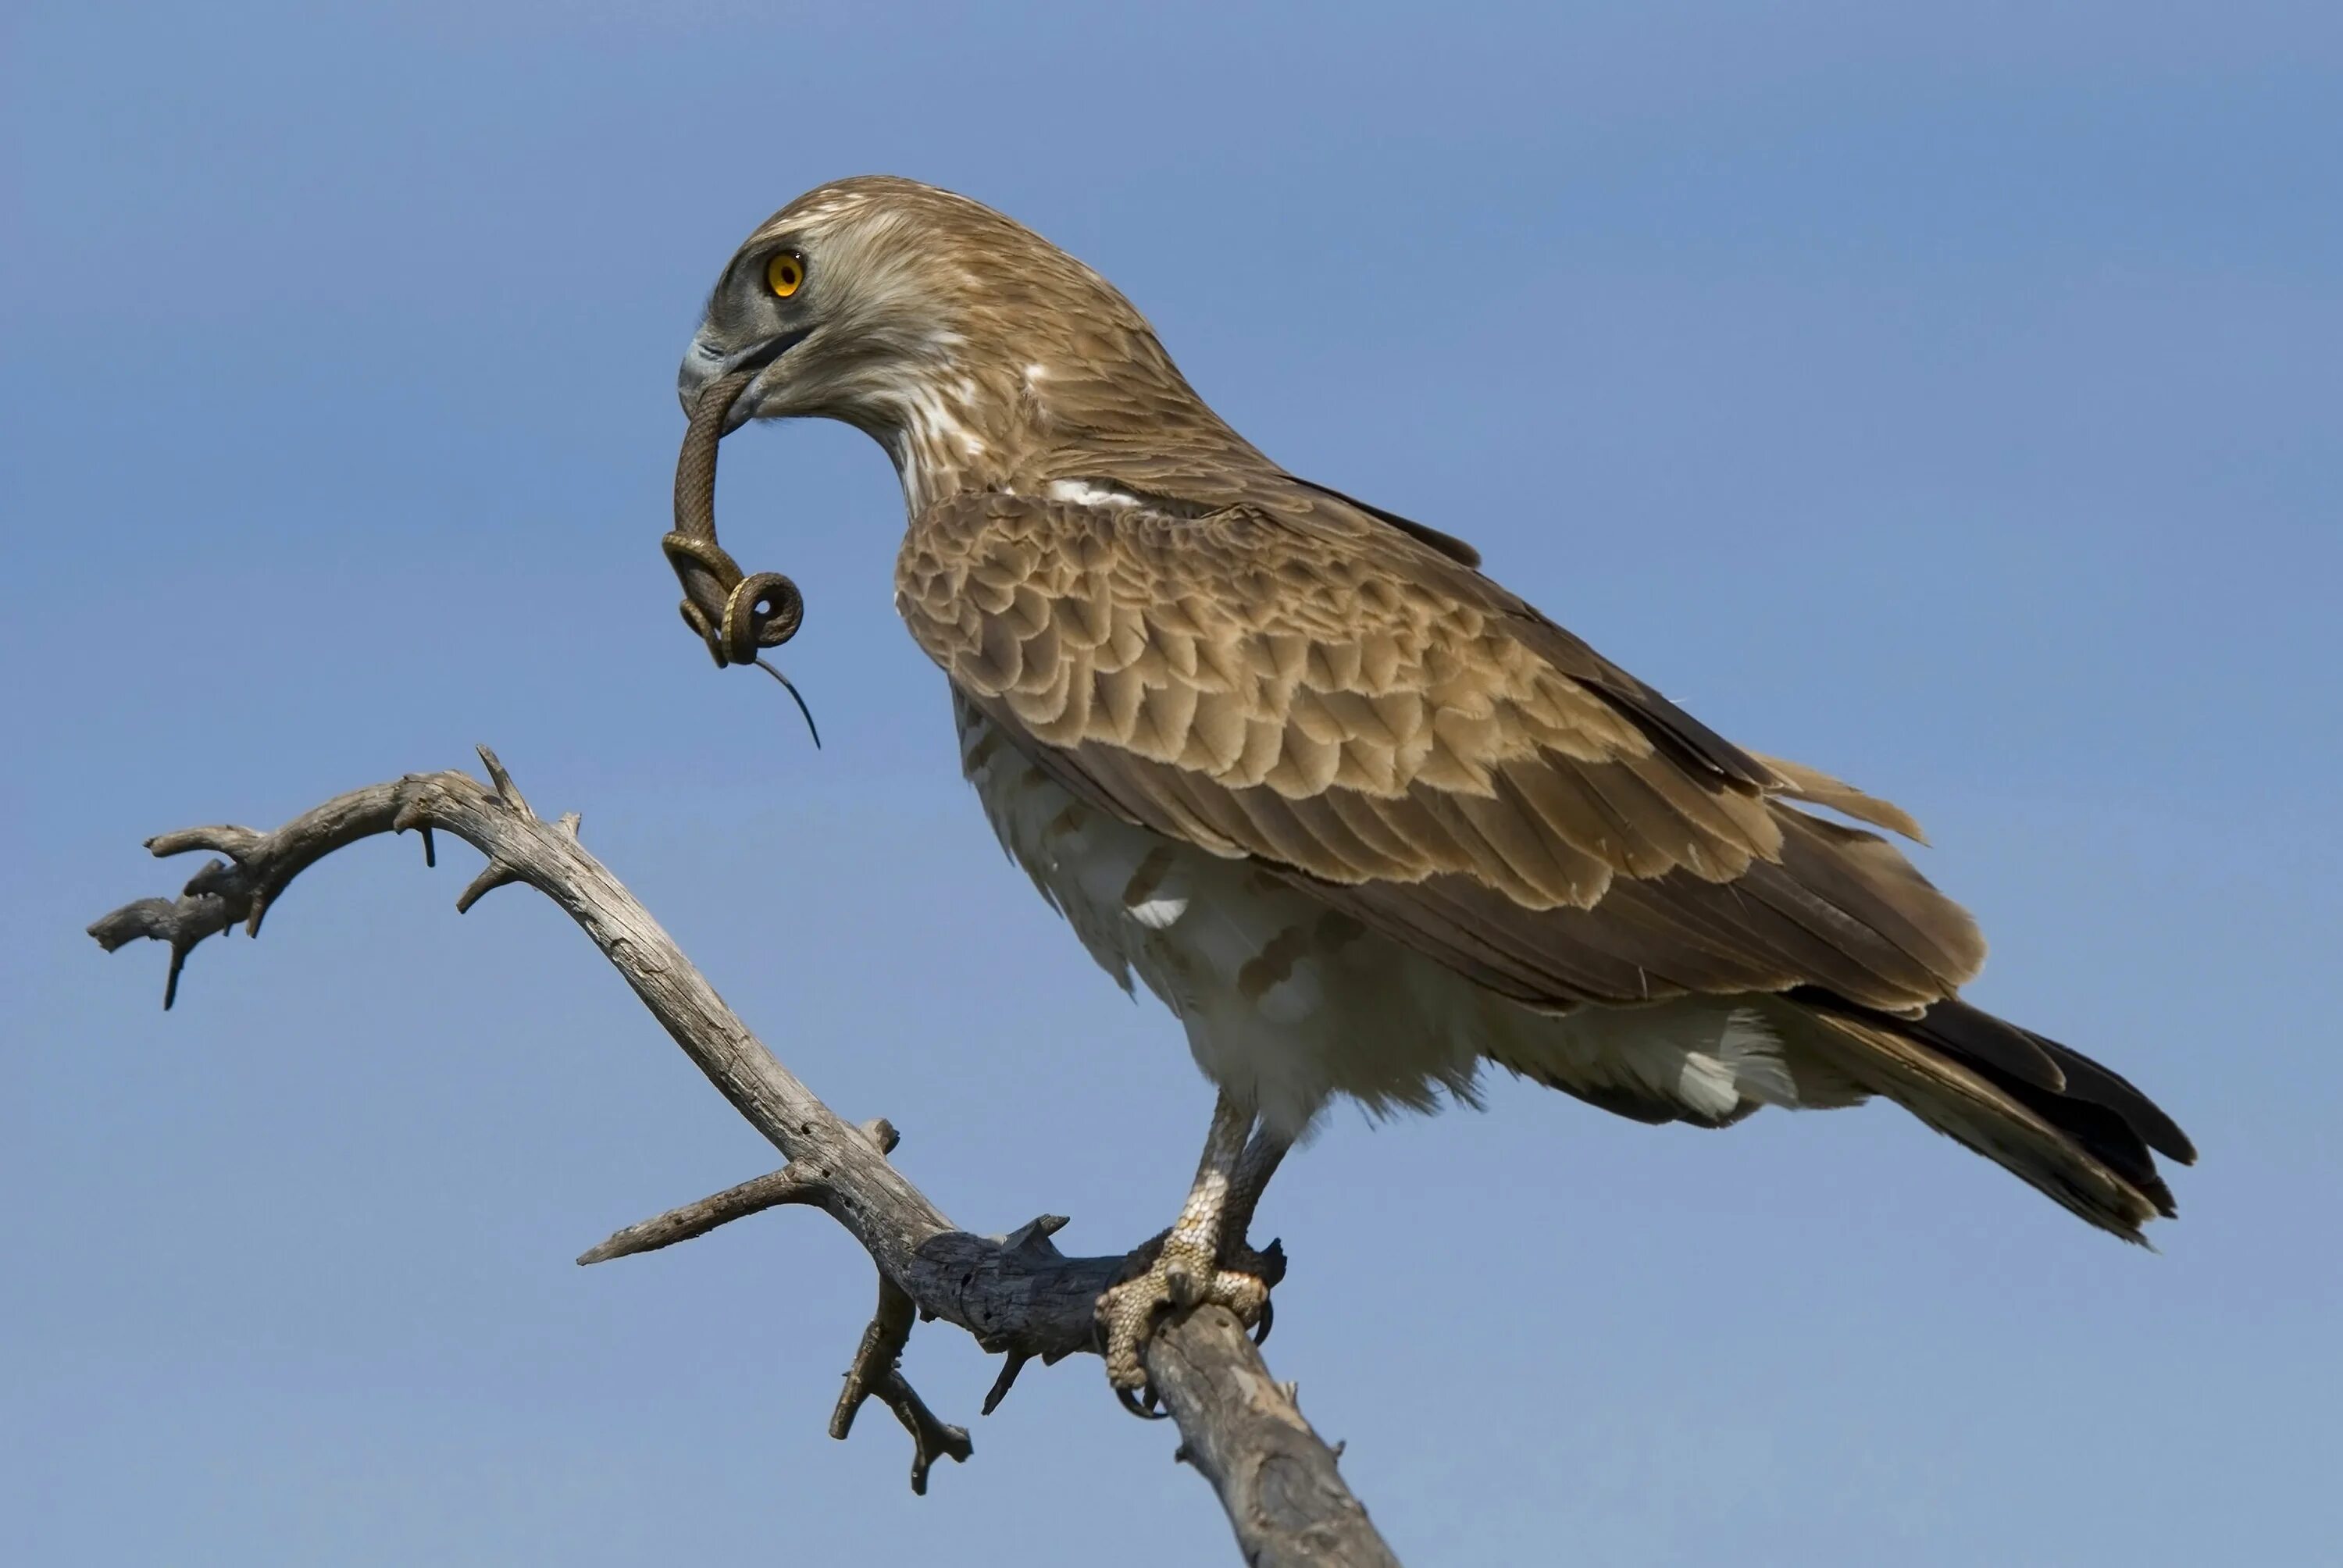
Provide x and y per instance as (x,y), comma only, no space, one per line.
(703,362)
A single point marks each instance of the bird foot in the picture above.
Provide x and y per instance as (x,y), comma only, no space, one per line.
(1170,1276)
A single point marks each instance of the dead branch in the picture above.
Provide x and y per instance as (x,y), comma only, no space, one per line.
(1017,1294)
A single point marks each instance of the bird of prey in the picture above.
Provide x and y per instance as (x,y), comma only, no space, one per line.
(1364,818)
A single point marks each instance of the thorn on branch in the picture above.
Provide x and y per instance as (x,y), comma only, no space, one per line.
(412,815)
(1033,1238)
(1011,1365)
(506,790)
(182,944)
(493,875)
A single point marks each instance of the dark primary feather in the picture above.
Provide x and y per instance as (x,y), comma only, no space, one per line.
(1448,545)
(1960,1029)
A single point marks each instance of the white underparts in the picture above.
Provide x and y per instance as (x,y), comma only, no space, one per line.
(1288,1002)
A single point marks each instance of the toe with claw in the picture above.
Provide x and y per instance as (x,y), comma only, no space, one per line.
(1165,1279)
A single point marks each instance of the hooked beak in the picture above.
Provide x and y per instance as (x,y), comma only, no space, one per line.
(705,362)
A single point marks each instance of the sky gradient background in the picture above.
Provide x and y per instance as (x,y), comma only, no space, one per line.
(1947,396)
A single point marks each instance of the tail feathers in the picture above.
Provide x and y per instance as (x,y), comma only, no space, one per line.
(1975,1035)
(2086,1143)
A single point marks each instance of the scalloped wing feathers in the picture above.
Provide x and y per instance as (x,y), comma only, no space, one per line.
(1360,711)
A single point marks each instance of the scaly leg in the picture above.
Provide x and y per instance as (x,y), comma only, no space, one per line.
(1261,1158)
(1187,1270)
(1262,1155)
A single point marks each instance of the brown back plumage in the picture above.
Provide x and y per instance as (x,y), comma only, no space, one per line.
(1295,681)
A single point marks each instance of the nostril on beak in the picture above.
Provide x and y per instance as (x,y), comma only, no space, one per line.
(700,364)
(700,361)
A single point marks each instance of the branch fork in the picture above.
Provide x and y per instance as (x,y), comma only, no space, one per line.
(1017,1294)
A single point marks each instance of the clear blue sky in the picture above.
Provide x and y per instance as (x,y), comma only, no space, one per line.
(1944,395)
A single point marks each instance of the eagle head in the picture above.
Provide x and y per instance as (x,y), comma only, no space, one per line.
(977,353)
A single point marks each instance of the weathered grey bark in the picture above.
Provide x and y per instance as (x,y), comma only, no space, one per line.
(1018,1295)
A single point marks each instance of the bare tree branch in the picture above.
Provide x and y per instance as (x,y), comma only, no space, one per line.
(1017,1294)
(787,1185)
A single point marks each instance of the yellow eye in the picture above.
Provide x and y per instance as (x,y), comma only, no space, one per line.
(785,274)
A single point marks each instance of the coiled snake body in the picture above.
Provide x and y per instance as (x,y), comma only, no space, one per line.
(736,613)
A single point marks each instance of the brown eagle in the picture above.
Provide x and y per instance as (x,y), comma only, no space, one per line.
(1361,816)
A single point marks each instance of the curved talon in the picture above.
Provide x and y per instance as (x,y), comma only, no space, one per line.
(1268,1316)
(1148,1411)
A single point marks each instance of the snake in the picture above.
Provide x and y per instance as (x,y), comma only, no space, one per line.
(736,613)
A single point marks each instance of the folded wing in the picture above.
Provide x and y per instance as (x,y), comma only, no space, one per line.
(1366,714)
